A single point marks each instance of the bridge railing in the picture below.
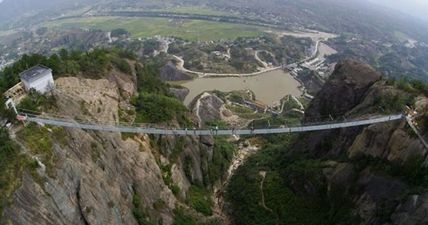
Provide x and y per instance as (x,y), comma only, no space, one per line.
(201,131)
(323,120)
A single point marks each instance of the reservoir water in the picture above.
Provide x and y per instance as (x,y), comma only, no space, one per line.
(268,87)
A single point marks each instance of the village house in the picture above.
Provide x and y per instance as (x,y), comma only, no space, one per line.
(38,78)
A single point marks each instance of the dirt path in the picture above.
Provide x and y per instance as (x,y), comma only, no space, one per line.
(256,56)
(263,175)
(110,40)
(263,204)
(243,152)
(298,102)
(198,106)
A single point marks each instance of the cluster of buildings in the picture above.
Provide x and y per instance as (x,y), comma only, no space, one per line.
(221,55)
(294,69)
(318,65)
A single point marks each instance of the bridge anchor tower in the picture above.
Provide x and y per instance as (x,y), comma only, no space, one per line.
(10,104)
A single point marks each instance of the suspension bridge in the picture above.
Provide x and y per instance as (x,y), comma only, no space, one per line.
(148,129)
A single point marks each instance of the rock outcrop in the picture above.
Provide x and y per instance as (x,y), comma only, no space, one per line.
(180,93)
(169,72)
(358,155)
(96,175)
(346,88)
(412,211)
(207,107)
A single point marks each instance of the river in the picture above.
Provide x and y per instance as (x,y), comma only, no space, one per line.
(269,87)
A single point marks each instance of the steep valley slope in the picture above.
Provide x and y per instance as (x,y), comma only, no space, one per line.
(365,175)
(87,177)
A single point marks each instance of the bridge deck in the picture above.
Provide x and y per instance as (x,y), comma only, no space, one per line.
(169,131)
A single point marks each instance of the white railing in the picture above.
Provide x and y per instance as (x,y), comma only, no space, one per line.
(193,131)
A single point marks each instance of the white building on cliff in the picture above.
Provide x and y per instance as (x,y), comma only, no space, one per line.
(38,78)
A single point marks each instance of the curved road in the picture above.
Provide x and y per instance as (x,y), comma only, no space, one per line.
(180,66)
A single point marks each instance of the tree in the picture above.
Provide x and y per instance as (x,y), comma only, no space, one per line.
(119,32)
(63,53)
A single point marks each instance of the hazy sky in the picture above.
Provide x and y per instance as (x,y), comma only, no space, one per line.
(418,8)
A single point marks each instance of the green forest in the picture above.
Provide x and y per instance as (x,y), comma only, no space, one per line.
(282,199)
(294,189)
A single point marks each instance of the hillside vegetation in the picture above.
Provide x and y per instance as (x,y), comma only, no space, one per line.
(154,103)
(90,64)
(344,176)
(12,164)
(154,166)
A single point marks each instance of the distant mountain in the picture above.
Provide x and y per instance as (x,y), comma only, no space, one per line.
(12,10)
(415,8)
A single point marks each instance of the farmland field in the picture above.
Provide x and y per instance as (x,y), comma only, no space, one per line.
(148,27)
(198,10)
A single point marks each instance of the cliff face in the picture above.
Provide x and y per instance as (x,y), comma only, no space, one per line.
(355,91)
(368,163)
(170,73)
(345,90)
(369,175)
(95,177)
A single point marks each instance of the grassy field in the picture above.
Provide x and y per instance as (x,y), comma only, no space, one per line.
(148,27)
(198,10)
(6,32)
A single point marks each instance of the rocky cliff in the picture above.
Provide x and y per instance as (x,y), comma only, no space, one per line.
(369,162)
(169,72)
(357,91)
(373,175)
(86,177)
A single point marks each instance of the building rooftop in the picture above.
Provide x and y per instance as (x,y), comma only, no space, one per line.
(34,73)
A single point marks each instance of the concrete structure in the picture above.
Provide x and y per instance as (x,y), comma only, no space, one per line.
(16,93)
(11,105)
(38,78)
